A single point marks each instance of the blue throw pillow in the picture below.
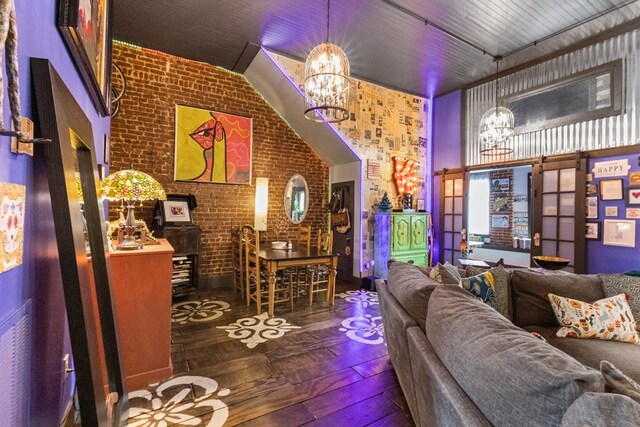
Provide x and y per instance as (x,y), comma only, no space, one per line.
(635,272)
(481,286)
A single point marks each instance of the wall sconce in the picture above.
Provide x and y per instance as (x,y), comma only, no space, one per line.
(262,204)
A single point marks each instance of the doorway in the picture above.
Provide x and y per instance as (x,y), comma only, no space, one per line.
(343,238)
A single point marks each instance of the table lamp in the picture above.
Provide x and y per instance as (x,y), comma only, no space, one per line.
(131,185)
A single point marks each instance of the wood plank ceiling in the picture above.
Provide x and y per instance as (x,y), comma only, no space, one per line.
(387,41)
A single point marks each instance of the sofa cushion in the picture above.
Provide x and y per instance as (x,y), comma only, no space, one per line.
(482,287)
(513,378)
(615,381)
(623,355)
(411,288)
(614,284)
(501,283)
(529,294)
(602,410)
(605,319)
(445,273)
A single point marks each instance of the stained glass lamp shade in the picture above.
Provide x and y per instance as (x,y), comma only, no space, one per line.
(131,185)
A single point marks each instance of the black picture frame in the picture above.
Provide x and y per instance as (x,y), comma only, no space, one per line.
(628,197)
(70,163)
(70,24)
(598,226)
(186,201)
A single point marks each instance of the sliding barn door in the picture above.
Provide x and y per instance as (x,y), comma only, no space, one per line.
(451,216)
(559,204)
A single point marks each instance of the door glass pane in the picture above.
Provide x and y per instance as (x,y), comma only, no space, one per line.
(568,204)
(550,204)
(448,240)
(457,238)
(549,228)
(448,222)
(566,251)
(457,205)
(550,181)
(457,191)
(549,247)
(568,179)
(567,228)
(448,205)
(448,187)
(457,223)
(447,256)
(456,257)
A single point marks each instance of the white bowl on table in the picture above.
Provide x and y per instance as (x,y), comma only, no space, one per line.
(279,245)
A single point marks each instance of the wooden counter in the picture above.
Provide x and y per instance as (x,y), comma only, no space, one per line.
(141,291)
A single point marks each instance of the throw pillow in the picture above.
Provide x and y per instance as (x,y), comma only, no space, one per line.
(501,283)
(614,284)
(606,319)
(615,381)
(635,272)
(481,286)
(446,274)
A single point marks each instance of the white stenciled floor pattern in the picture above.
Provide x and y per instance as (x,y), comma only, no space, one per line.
(233,366)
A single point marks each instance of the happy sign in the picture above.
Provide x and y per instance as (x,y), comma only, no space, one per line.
(611,168)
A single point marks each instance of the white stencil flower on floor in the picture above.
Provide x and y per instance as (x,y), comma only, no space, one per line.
(367,329)
(361,296)
(198,311)
(182,408)
(258,329)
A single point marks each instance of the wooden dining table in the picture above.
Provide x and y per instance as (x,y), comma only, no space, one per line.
(298,256)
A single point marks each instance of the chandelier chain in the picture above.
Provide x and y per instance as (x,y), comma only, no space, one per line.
(328,18)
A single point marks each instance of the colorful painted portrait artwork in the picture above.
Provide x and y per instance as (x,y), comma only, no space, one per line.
(92,23)
(212,147)
(12,207)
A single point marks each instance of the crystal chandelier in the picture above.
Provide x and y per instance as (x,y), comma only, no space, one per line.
(326,84)
(496,127)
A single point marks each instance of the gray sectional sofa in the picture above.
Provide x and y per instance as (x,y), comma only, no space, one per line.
(461,363)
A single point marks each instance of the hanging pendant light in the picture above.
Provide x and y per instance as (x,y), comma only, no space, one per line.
(496,126)
(326,83)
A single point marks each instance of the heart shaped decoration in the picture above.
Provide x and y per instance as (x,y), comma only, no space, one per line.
(635,194)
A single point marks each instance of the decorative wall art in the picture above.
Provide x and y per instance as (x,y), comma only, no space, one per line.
(86,27)
(611,189)
(499,221)
(611,211)
(212,147)
(592,189)
(592,230)
(611,168)
(619,232)
(500,202)
(501,184)
(175,211)
(592,207)
(12,208)
(633,213)
(632,196)
(634,178)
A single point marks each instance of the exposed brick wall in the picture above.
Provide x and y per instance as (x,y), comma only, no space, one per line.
(501,236)
(142,137)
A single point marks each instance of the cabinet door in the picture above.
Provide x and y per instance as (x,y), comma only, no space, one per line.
(418,232)
(401,233)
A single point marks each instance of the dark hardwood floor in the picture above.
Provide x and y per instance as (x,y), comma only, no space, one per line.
(320,366)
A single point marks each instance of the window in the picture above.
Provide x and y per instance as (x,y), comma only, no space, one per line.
(478,202)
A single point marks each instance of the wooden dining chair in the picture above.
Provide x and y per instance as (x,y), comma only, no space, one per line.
(304,236)
(318,275)
(256,277)
(237,255)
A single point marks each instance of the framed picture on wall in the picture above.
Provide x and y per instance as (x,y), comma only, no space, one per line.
(611,189)
(592,189)
(420,205)
(611,211)
(632,196)
(619,232)
(175,211)
(592,207)
(86,28)
(592,230)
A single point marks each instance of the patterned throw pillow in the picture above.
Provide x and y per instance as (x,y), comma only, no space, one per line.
(501,284)
(614,284)
(605,319)
(481,286)
(446,274)
(615,381)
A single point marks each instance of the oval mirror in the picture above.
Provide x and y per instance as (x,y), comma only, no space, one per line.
(296,199)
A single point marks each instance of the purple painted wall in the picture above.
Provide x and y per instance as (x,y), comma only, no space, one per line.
(447,148)
(39,276)
(612,259)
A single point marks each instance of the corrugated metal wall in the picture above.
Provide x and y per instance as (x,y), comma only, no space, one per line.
(614,131)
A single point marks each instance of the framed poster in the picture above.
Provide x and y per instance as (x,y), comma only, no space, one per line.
(592,230)
(500,184)
(12,213)
(633,213)
(592,207)
(610,211)
(619,232)
(611,189)
(632,196)
(86,28)
(175,211)
(212,147)
(592,189)
(499,221)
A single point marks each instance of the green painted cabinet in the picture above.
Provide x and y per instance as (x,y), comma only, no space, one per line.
(402,236)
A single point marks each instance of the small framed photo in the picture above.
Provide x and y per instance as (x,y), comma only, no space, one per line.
(611,189)
(632,196)
(633,213)
(420,205)
(592,189)
(175,211)
(610,211)
(592,230)
(592,207)
(619,232)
